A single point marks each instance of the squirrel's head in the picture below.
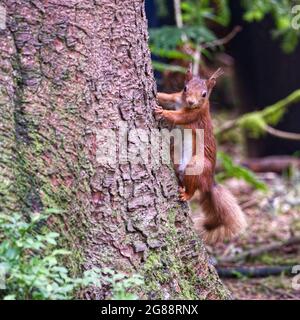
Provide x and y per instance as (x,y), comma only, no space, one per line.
(196,90)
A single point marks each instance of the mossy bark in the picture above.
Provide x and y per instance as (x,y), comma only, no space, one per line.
(67,70)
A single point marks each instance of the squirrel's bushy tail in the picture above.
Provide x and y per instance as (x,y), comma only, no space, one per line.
(223,217)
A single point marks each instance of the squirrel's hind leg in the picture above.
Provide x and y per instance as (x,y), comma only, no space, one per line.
(189,187)
(202,182)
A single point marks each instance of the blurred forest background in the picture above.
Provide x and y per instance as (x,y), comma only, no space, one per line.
(256,117)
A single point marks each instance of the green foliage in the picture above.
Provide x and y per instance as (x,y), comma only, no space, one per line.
(232,170)
(253,123)
(165,41)
(281,11)
(273,114)
(30,261)
(195,12)
(122,285)
(159,66)
(170,37)
(198,14)
(170,54)
(223,15)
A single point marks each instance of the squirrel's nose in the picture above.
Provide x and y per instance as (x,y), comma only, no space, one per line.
(191,102)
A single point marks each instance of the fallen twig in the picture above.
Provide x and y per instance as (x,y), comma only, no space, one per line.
(258,251)
(253,272)
(271,164)
(248,204)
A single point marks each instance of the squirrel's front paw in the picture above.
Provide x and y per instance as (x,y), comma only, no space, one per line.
(158,111)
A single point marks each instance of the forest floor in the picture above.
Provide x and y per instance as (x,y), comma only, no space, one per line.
(273,217)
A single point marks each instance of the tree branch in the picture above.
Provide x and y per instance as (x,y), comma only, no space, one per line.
(178,15)
(222,41)
(282,134)
(264,114)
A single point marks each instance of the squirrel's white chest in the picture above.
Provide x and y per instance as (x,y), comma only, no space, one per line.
(187,151)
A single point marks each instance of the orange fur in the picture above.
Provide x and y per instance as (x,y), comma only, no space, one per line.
(223,216)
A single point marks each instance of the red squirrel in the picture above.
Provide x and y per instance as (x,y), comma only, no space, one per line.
(223,216)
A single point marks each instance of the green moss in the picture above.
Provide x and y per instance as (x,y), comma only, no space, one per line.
(296,225)
(254,123)
(34,186)
(165,268)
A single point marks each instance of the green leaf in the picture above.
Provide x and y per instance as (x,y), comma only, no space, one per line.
(232,170)
(254,123)
(163,67)
(12,253)
(170,54)
(170,37)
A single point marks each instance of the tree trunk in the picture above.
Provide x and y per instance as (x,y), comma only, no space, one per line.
(69,69)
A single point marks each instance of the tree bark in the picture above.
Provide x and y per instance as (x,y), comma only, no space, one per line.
(67,70)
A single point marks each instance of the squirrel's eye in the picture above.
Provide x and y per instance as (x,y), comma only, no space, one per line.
(185,89)
(204,94)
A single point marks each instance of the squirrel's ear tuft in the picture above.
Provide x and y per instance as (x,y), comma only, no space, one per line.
(217,74)
(189,73)
(211,82)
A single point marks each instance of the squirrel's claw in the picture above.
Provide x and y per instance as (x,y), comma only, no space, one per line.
(183,196)
(158,111)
